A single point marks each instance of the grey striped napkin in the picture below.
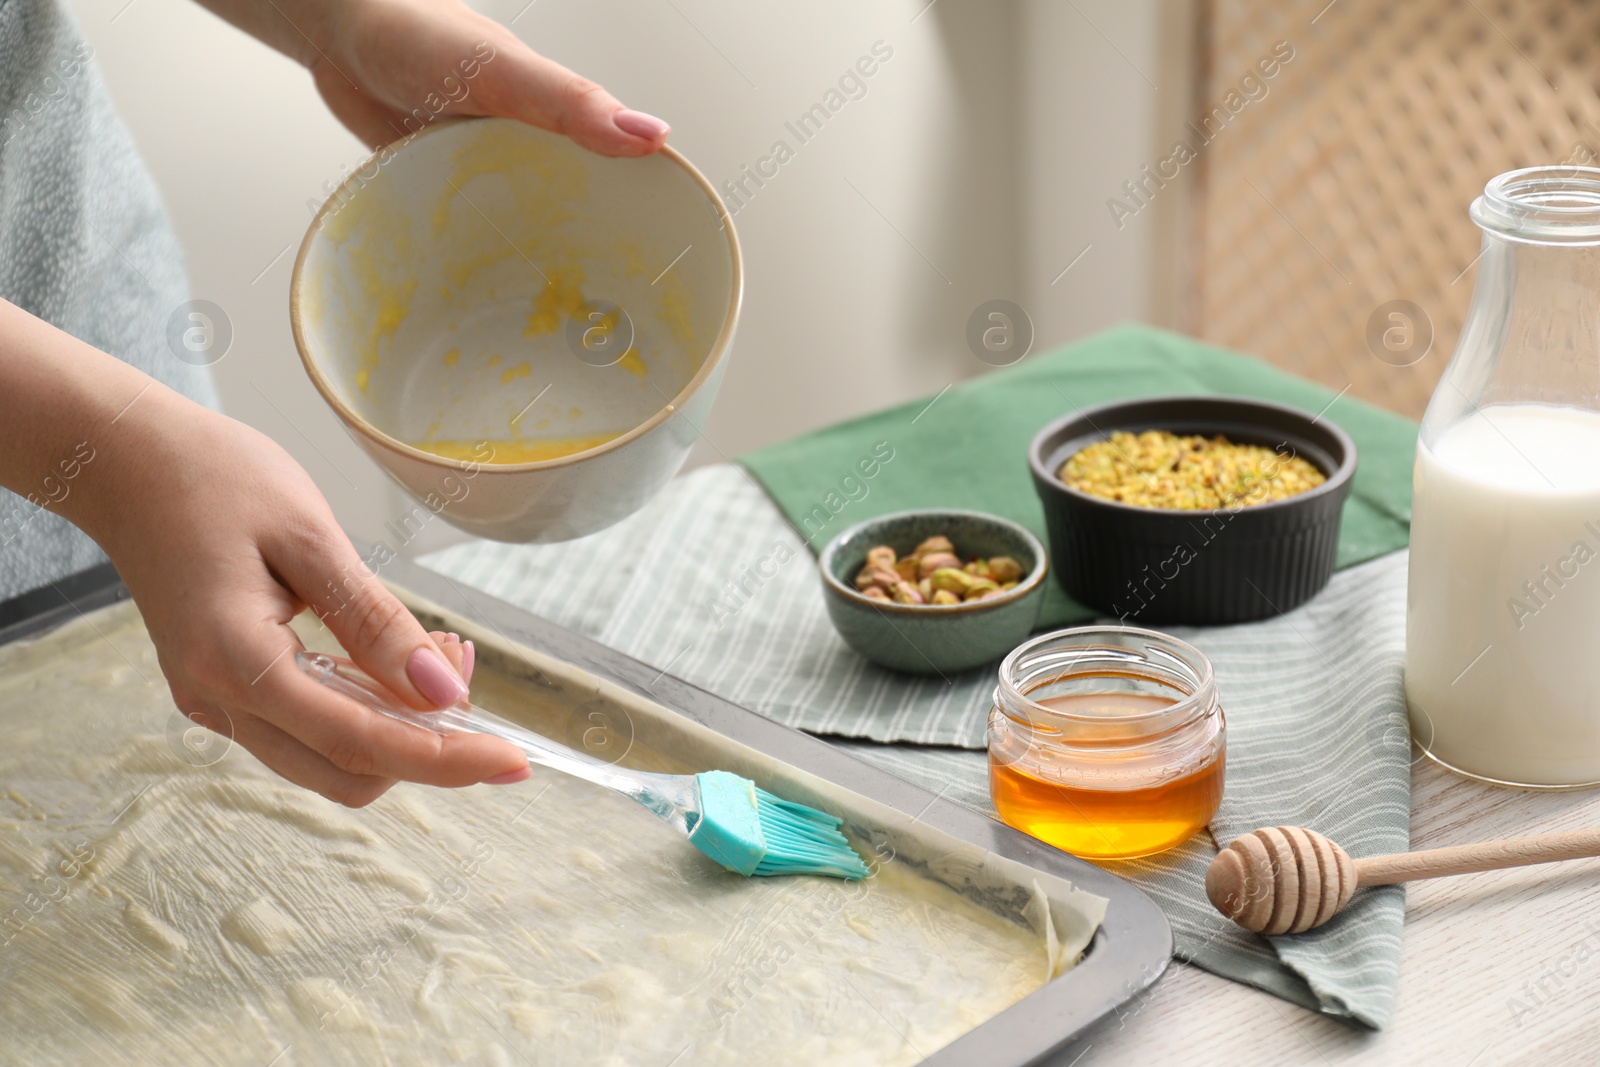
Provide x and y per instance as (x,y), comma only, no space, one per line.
(709,582)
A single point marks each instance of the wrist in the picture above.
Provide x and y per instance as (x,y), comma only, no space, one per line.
(349,29)
(131,463)
(61,400)
(303,30)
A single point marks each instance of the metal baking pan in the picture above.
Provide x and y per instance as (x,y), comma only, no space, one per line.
(1128,954)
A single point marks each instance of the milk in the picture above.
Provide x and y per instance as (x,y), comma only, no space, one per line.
(1503,621)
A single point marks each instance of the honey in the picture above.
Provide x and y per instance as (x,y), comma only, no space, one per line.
(1108,743)
(1108,823)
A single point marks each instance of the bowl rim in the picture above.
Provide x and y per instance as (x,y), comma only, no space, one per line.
(1033,580)
(1335,482)
(709,366)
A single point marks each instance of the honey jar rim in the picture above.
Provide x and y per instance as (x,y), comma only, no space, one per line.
(1198,700)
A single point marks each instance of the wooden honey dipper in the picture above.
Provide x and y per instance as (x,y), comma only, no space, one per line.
(1284,880)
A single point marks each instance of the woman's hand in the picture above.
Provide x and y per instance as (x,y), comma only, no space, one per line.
(223,539)
(389,67)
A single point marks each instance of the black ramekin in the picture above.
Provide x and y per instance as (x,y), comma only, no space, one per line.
(1160,565)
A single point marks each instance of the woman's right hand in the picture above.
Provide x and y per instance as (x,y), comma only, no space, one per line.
(223,539)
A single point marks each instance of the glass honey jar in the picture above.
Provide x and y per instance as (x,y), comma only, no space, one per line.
(1107,742)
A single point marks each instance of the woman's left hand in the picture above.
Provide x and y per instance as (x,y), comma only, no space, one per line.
(387,68)
(392,66)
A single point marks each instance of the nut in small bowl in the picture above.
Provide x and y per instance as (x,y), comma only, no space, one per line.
(905,599)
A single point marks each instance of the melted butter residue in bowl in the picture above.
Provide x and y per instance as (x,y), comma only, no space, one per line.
(514,450)
(544,191)
(561,297)
(375,248)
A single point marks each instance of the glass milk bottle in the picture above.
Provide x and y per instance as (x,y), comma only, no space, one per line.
(1503,611)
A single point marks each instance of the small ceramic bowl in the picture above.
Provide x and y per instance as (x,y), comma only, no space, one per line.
(456,302)
(934,638)
(1160,565)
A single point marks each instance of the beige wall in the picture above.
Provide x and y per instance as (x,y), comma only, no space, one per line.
(976,166)
(1100,83)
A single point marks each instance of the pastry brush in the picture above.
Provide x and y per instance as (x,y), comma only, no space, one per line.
(738,824)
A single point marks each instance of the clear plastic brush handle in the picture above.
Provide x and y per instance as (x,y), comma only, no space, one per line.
(662,794)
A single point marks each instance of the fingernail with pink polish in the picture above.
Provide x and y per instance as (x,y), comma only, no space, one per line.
(510,777)
(451,639)
(469,655)
(434,679)
(640,125)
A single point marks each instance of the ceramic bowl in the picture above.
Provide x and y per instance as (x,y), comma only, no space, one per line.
(1229,565)
(934,638)
(524,335)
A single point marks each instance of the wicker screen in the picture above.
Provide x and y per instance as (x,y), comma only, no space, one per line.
(1346,186)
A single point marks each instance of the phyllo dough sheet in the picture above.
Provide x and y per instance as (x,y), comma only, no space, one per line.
(165,898)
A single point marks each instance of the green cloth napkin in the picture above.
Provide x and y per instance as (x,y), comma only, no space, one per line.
(968,446)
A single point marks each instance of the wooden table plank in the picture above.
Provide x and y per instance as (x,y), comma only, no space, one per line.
(1500,967)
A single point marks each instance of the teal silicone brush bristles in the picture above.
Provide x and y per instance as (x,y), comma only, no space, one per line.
(750,831)
(739,825)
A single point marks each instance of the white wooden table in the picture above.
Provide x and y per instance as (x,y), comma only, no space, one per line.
(1496,968)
